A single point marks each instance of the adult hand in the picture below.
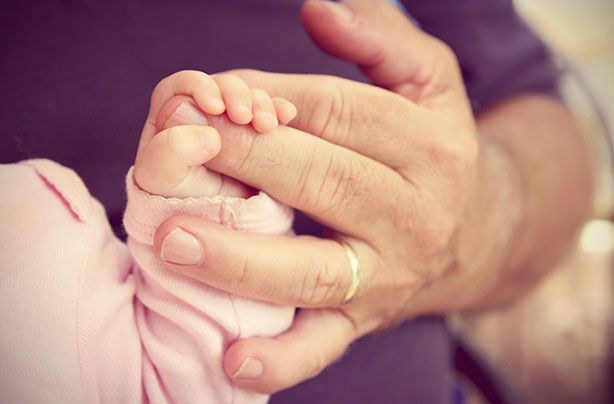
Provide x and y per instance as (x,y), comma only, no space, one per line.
(389,174)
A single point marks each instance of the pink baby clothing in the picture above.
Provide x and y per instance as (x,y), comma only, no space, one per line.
(86,319)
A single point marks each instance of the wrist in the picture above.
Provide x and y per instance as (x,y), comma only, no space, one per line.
(532,193)
(490,221)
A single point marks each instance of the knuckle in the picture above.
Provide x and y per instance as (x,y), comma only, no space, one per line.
(305,195)
(387,317)
(259,93)
(325,183)
(321,283)
(318,363)
(440,152)
(435,233)
(174,76)
(440,233)
(240,275)
(427,228)
(328,111)
(454,157)
(243,157)
(177,78)
(161,85)
(446,52)
(255,156)
(262,98)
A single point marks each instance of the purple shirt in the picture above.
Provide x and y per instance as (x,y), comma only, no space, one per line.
(75,80)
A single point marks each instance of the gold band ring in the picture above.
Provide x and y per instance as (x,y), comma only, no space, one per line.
(355,268)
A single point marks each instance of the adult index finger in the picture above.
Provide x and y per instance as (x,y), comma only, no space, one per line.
(340,188)
(369,120)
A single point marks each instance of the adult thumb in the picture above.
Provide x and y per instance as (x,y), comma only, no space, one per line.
(381,40)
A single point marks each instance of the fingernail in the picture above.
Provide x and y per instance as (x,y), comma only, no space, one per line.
(251,368)
(245,109)
(341,11)
(181,248)
(187,114)
(268,119)
(217,104)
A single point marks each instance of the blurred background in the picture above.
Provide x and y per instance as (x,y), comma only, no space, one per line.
(557,344)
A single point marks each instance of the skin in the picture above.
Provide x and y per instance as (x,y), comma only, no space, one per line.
(170,162)
(446,211)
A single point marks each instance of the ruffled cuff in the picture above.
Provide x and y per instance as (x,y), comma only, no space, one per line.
(260,213)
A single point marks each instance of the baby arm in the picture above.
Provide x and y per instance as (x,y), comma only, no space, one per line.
(72,329)
(185,325)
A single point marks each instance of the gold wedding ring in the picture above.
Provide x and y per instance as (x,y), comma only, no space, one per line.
(355,268)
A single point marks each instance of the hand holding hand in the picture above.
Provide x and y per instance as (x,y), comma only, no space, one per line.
(389,174)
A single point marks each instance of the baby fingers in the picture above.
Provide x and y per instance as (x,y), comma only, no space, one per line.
(237,96)
(286,111)
(265,116)
(245,105)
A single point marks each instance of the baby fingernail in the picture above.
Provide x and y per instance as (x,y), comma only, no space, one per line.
(217,104)
(244,110)
(251,368)
(267,119)
(181,248)
(187,114)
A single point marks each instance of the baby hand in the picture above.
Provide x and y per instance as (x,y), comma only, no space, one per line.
(177,141)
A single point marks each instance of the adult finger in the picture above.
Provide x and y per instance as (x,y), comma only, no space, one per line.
(267,365)
(339,187)
(380,39)
(366,119)
(298,271)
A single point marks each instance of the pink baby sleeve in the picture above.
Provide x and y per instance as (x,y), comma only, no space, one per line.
(82,323)
(66,295)
(186,325)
